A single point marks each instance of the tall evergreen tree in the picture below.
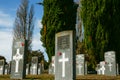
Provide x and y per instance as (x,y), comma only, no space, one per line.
(24,23)
(58,15)
(101,27)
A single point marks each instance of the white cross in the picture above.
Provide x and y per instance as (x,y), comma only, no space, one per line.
(63,60)
(110,66)
(80,67)
(103,69)
(17,58)
(34,67)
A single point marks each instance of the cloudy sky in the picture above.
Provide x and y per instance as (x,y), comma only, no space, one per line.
(8,10)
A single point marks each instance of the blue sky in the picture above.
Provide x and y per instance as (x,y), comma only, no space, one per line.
(8,10)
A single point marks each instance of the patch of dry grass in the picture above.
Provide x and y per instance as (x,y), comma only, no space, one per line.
(51,77)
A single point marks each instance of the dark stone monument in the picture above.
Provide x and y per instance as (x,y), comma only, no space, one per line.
(34,65)
(2,66)
(65,56)
(6,69)
(110,67)
(80,64)
(18,65)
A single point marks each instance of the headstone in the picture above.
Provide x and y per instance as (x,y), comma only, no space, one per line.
(65,56)
(39,68)
(53,64)
(117,69)
(18,65)
(27,69)
(80,64)
(110,60)
(51,70)
(2,65)
(101,68)
(9,70)
(34,65)
(42,65)
(6,69)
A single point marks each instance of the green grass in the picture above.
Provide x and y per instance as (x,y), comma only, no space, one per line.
(51,77)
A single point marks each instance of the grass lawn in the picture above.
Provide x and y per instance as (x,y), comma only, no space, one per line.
(51,77)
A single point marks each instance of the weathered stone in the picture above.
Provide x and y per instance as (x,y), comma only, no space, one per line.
(65,56)
(18,59)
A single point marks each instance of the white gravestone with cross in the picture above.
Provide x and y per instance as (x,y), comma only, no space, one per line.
(111,67)
(65,56)
(17,57)
(80,64)
(63,60)
(18,63)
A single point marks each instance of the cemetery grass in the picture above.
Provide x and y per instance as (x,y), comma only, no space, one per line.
(51,77)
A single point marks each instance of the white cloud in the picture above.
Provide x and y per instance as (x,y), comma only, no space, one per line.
(39,24)
(6,20)
(6,44)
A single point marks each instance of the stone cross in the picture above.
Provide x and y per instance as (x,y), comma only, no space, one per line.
(110,66)
(63,60)
(17,58)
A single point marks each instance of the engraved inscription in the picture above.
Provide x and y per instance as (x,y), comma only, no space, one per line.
(63,42)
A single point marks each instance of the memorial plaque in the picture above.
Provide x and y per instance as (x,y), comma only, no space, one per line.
(18,65)
(34,65)
(80,64)
(110,60)
(65,56)
(2,65)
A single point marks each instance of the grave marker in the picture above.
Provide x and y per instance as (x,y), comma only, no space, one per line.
(65,56)
(110,60)
(34,65)
(80,64)
(2,66)
(6,69)
(18,59)
(53,64)
(27,69)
